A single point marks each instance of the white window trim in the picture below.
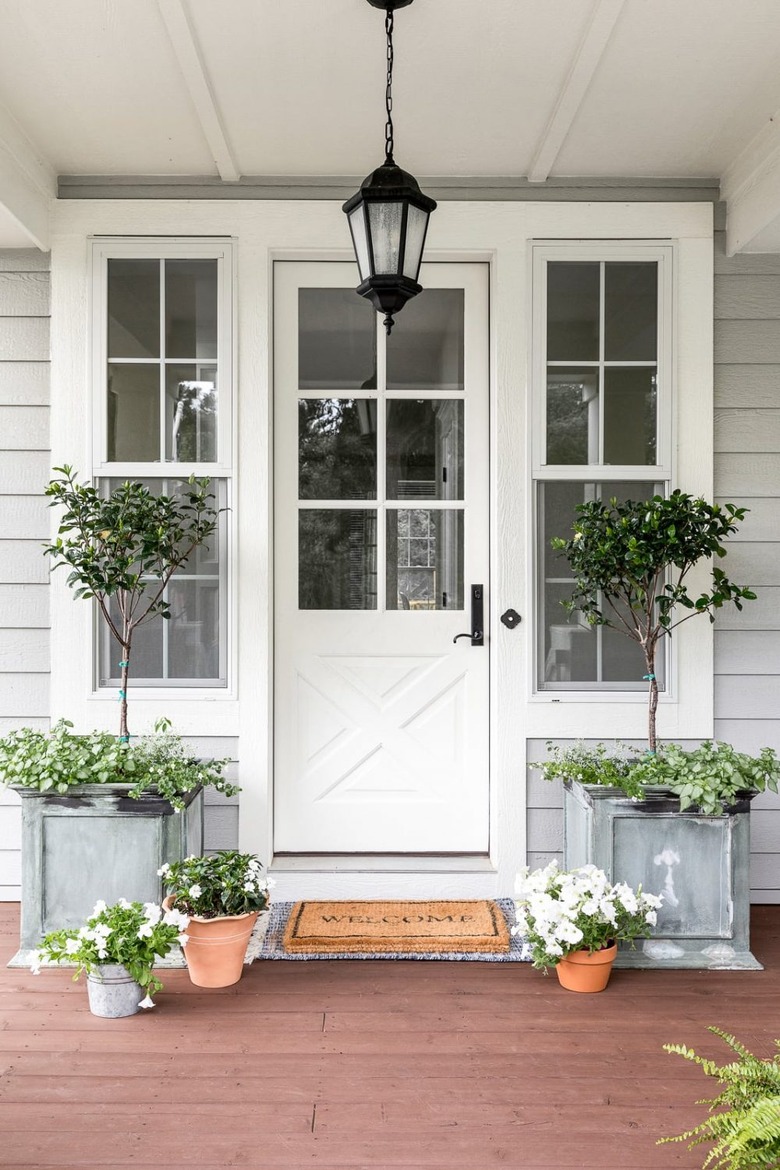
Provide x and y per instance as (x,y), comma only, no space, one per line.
(140,248)
(685,288)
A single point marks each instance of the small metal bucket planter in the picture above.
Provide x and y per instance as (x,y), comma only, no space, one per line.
(113,992)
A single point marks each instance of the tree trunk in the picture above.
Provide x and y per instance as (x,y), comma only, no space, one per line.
(652,705)
(124,666)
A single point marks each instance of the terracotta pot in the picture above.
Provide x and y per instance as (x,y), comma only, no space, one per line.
(216,948)
(581,971)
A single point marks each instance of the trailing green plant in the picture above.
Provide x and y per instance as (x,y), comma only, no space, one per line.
(711,776)
(122,550)
(630,562)
(134,934)
(227,882)
(610,768)
(744,1122)
(59,760)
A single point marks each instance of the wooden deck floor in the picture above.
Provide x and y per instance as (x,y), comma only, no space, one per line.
(345,1065)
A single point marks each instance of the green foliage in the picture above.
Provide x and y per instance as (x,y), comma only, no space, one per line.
(59,760)
(630,562)
(227,882)
(711,776)
(745,1133)
(123,549)
(129,933)
(594,765)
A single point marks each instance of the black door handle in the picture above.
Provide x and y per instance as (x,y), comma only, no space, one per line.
(477,633)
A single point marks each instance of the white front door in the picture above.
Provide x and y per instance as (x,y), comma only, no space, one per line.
(381,536)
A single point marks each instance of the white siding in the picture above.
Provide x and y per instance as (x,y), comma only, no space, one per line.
(24,463)
(747,472)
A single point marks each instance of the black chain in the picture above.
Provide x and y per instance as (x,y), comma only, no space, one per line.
(389,90)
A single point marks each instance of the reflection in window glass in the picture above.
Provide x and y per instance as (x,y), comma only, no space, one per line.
(631,312)
(133,413)
(191,413)
(424,558)
(336,340)
(573,297)
(337,448)
(191,309)
(573,653)
(630,412)
(337,558)
(425,349)
(572,415)
(187,647)
(133,308)
(425,449)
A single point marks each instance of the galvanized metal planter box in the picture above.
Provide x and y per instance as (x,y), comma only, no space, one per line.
(699,863)
(96,842)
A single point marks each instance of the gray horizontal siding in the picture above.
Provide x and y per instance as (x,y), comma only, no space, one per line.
(24,470)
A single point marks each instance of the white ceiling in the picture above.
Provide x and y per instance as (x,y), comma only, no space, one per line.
(539,88)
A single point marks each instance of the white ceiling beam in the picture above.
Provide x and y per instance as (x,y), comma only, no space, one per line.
(751,187)
(196,78)
(28,184)
(570,99)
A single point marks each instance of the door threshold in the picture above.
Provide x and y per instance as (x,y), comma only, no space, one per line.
(380,863)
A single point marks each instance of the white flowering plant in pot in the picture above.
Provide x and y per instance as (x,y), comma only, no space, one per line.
(226,883)
(131,934)
(559,912)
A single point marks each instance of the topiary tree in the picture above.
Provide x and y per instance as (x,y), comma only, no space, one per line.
(630,563)
(126,547)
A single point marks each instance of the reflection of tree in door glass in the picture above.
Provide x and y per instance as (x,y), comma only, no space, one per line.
(337,449)
(337,559)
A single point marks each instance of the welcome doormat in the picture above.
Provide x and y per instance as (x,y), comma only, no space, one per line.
(460,938)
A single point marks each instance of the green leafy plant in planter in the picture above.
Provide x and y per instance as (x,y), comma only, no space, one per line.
(123,549)
(744,1122)
(630,562)
(60,760)
(130,934)
(224,883)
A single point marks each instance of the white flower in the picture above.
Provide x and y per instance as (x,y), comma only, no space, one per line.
(100,932)
(174,917)
(195,891)
(249,887)
(123,902)
(100,906)
(152,912)
(147,1003)
(270,883)
(145,930)
(36,958)
(72,945)
(101,950)
(183,939)
(651,917)
(164,870)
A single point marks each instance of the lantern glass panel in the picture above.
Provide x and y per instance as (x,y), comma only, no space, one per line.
(357,223)
(416,224)
(385,221)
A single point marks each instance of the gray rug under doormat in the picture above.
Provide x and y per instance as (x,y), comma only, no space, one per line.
(269,944)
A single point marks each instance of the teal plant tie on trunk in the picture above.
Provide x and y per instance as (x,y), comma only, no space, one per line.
(648,676)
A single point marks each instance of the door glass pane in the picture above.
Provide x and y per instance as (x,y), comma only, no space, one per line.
(133,413)
(572,415)
(424,558)
(191,413)
(337,448)
(572,312)
(425,349)
(133,308)
(425,449)
(631,312)
(337,559)
(191,309)
(630,404)
(336,340)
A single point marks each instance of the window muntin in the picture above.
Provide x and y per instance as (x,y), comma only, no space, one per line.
(602,377)
(162,325)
